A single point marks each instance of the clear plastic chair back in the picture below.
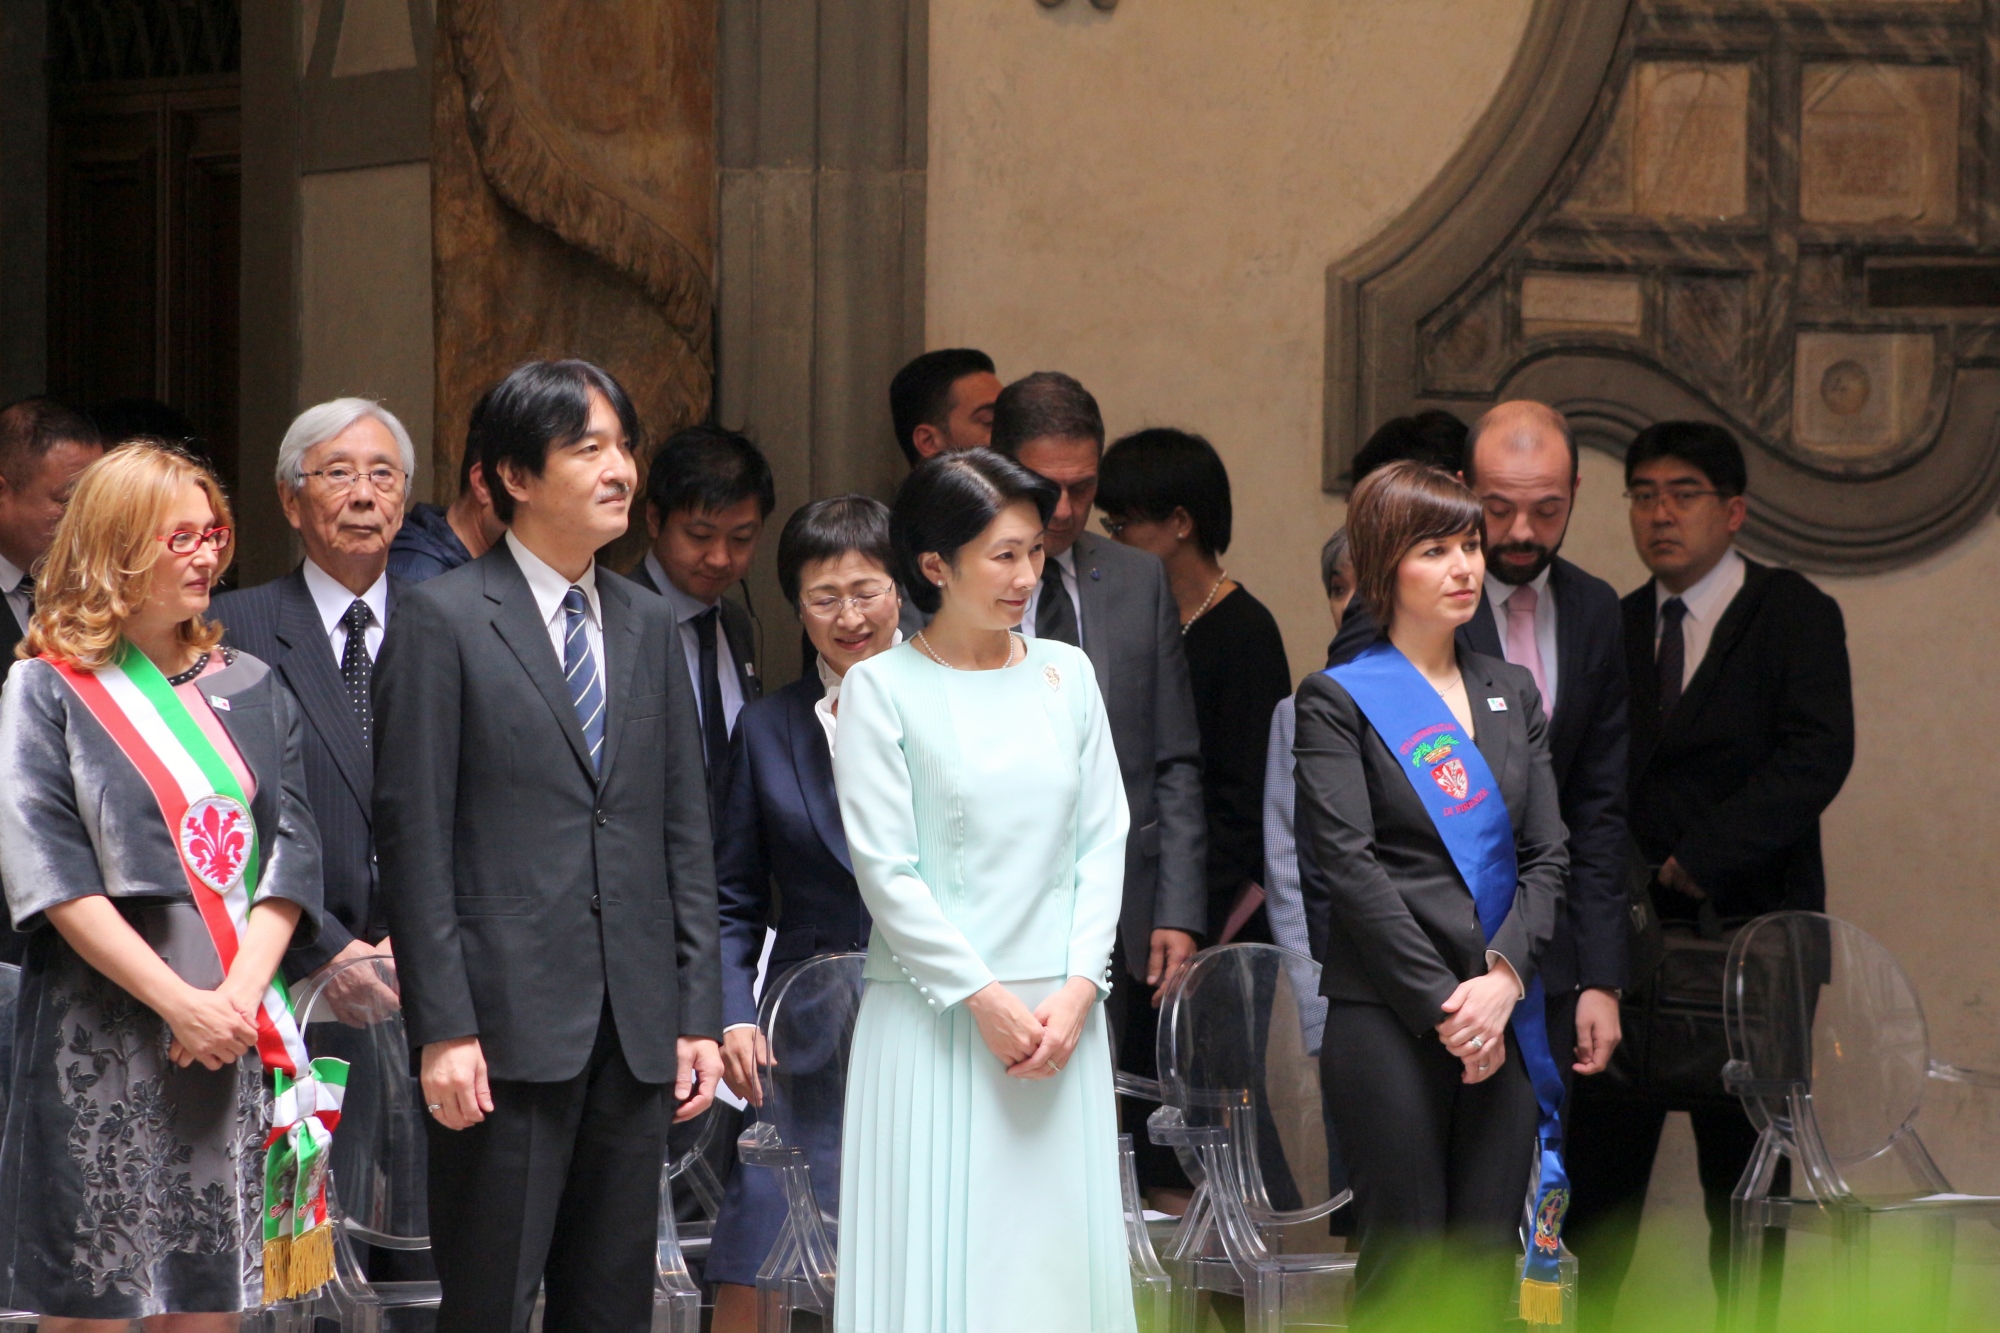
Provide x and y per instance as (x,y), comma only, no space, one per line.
(10,1001)
(808,1023)
(1819,1011)
(1236,1063)
(379,1155)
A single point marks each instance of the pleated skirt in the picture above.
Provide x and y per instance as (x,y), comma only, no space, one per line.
(971,1202)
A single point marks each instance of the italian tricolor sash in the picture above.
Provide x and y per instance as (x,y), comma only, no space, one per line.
(208,818)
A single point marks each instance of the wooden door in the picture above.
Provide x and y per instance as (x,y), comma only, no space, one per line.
(144,203)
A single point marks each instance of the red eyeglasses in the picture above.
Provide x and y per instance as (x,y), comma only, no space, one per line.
(187,540)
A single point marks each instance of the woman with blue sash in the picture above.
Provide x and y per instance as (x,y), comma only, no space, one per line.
(1433,871)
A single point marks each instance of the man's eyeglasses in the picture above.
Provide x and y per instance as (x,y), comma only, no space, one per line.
(386,480)
(829,608)
(1679,499)
(187,541)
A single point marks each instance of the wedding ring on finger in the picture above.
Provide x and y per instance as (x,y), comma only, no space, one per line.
(435,1107)
(1478,1043)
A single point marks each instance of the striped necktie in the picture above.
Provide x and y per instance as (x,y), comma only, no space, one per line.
(580,670)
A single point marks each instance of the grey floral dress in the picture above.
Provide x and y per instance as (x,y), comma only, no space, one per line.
(129,1186)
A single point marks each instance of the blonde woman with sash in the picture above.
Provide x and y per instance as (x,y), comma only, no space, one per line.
(1433,864)
(156,846)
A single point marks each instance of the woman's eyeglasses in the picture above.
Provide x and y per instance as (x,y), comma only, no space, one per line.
(187,541)
(829,608)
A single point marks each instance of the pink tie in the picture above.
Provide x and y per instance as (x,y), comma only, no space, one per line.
(1522,648)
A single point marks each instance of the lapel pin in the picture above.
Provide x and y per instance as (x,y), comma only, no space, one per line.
(1497,705)
(1095,576)
(217,701)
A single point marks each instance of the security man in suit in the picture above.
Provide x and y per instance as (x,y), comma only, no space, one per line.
(343,474)
(1114,602)
(44,447)
(542,821)
(708,494)
(1742,734)
(941,400)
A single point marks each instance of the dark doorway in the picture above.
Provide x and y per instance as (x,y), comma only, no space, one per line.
(144,203)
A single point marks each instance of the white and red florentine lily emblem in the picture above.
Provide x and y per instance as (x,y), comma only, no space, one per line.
(215,841)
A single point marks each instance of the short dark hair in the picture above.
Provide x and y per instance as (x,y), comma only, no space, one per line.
(705,468)
(1331,557)
(1150,473)
(32,427)
(1395,507)
(1705,445)
(1434,437)
(829,529)
(947,501)
(540,406)
(1043,405)
(920,395)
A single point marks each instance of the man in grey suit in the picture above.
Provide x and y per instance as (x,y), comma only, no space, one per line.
(1113,602)
(543,831)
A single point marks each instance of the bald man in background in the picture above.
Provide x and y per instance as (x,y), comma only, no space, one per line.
(1541,612)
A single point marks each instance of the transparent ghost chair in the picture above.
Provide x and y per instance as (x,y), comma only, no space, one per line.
(1830,1053)
(376,1188)
(808,1025)
(1239,1089)
(10,1000)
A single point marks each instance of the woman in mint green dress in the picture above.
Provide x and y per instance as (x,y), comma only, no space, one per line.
(986,820)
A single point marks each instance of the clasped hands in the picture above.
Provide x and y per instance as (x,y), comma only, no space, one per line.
(213,1027)
(1474,1027)
(1032,1043)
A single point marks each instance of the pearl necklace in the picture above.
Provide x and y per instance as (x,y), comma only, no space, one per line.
(930,652)
(1206,602)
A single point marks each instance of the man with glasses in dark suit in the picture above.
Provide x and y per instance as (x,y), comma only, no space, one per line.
(1742,714)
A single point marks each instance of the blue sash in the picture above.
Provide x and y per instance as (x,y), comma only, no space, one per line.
(1451,778)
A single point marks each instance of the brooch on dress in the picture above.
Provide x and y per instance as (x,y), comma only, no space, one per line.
(1053,677)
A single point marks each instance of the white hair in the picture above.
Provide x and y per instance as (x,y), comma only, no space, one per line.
(316,425)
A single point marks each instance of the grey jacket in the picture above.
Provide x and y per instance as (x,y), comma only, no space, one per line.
(1132,635)
(76,817)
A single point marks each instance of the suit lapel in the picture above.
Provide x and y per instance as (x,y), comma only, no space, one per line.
(1489,732)
(1569,658)
(621,652)
(1094,605)
(742,647)
(519,623)
(814,767)
(305,663)
(1728,632)
(1642,675)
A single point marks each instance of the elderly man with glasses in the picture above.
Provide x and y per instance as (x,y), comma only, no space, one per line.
(343,477)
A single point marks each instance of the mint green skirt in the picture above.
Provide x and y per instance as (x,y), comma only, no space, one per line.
(971,1202)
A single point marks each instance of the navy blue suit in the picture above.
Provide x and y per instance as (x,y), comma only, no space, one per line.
(779,826)
(278,622)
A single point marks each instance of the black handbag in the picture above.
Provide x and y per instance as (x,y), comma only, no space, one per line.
(1674,1044)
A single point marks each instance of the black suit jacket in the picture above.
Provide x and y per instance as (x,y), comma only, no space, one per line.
(1390,918)
(1732,784)
(1588,747)
(524,890)
(780,850)
(278,622)
(736,629)
(11,634)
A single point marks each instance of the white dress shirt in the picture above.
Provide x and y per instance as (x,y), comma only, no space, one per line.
(1066,562)
(331,599)
(1706,603)
(686,608)
(1497,592)
(549,589)
(10,579)
(829,681)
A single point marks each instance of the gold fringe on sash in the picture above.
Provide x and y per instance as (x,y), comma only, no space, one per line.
(1541,1302)
(311,1264)
(277,1268)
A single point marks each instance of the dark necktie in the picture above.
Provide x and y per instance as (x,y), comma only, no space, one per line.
(26,588)
(580,670)
(1055,613)
(714,726)
(355,664)
(1673,653)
